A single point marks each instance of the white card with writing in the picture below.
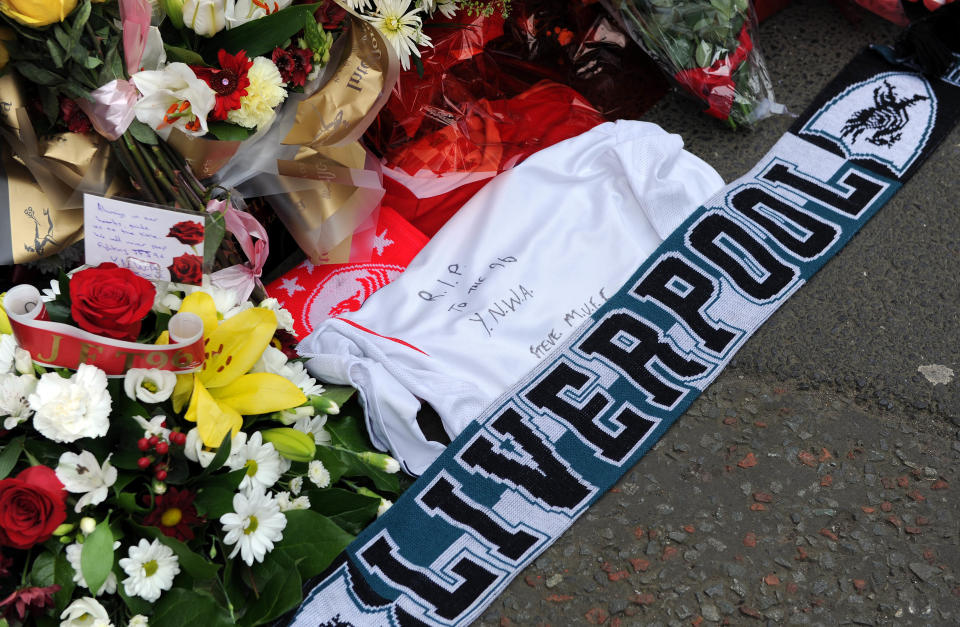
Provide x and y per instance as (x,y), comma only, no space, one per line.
(158,244)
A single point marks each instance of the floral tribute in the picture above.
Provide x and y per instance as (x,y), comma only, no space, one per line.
(158,497)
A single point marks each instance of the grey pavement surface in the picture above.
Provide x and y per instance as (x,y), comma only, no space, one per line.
(815,481)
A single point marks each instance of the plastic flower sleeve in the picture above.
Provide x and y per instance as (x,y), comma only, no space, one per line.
(709,49)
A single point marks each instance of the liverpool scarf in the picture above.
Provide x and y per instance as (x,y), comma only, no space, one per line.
(539,456)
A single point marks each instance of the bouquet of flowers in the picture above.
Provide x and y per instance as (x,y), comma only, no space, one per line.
(165,460)
(708,48)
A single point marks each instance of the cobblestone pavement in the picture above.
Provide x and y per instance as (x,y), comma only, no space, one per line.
(814,482)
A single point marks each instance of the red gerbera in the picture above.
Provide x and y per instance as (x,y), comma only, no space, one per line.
(230,82)
(294,64)
(32,600)
(173,513)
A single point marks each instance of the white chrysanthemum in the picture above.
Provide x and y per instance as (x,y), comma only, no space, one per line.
(286,504)
(318,474)
(74,408)
(447,8)
(85,612)
(284,317)
(357,5)
(138,620)
(150,568)
(253,527)
(314,426)
(225,300)
(275,362)
(403,29)
(266,92)
(73,556)
(149,385)
(385,504)
(14,390)
(296,485)
(82,473)
(261,461)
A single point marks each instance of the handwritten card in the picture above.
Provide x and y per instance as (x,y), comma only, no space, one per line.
(158,244)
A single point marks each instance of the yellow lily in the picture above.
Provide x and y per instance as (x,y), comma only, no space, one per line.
(222,392)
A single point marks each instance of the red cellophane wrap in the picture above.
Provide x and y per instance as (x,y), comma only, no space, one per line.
(445,135)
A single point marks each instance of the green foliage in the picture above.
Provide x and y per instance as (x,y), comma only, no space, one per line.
(96,558)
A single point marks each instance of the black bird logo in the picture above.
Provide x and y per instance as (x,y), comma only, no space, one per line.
(886,118)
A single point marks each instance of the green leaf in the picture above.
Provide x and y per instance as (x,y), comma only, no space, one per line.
(349,464)
(229,132)
(56,54)
(180,607)
(215,495)
(135,604)
(182,55)
(143,133)
(96,559)
(91,63)
(36,74)
(193,564)
(261,36)
(80,17)
(348,510)
(704,54)
(349,432)
(213,233)
(312,541)
(9,455)
(279,586)
(61,36)
(128,502)
(49,569)
(339,394)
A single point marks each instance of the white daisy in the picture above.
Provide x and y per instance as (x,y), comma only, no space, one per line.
(275,362)
(73,556)
(138,620)
(401,28)
(255,524)
(14,391)
(151,568)
(314,426)
(296,484)
(285,503)
(318,474)
(82,473)
(85,612)
(74,408)
(261,461)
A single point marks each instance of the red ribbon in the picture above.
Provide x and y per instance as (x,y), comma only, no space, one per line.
(715,83)
(59,345)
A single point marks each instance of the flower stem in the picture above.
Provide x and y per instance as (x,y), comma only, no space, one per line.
(127,161)
(151,183)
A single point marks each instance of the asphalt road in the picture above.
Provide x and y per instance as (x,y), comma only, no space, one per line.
(815,481)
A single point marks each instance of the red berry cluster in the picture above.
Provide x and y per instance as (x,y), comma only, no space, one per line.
(160,448)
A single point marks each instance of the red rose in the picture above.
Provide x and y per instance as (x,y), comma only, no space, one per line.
(112,301)
(187,269)
(187,232)
(32,505)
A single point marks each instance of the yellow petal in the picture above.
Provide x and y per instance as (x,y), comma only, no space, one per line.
(163,339)
(202,304)
(4,321)
(259,393)
(237,344)
(214,420)
(182,391)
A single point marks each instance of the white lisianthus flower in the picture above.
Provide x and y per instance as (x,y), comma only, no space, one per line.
(150,568)
(195,451)
(272,360)
(261,461)
(138,620)
(22,361)
(205,17)
(286,504)
(385,504)
(74,408)
(85,612)
(14,390)
(284,317)
(401,28)
(173,97)
(81,473)
(73,556)
(243,11)
(149,385)
(253,527)
(314,426)
(291,416)
(266,92)
(318,474)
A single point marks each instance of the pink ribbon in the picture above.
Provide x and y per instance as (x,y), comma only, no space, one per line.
(242,278)
(135,16)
